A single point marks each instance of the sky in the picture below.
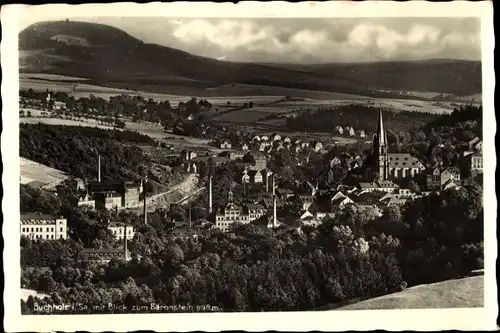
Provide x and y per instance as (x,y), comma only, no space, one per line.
(307,40)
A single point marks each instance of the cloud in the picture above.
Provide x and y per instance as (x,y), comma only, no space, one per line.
(312,40)
(282,40)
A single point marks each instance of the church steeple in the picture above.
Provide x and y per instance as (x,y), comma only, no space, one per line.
(380,149)
(381,133)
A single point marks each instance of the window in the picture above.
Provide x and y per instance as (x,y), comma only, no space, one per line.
(52,229)
(32,229)
(61,229)
(51,236)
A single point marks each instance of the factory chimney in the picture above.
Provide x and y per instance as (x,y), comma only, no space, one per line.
(189,218)
(210,193)
(144,209)
(275,222)
(125,250)
(99,168)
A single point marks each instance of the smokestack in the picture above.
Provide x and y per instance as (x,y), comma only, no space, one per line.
(145,210)
(275,222)
(267,181)
(210,193)
(99,168)
(125,241)
(189,218)
(274,186)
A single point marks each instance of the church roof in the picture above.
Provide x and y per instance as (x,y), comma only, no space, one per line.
(402,160)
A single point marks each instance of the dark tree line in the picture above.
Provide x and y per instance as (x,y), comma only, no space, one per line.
(74,150)
(360,117)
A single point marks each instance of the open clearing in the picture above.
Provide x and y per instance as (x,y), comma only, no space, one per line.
(65,122)
(26,293)
(39,175)
(460,293)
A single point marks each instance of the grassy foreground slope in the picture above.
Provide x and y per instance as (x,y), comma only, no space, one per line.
(459,293)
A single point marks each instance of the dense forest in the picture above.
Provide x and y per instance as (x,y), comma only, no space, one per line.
(351,256)
(74,150)
(360,117)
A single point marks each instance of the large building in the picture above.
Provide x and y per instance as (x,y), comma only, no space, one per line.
(115,193)
(120,230)
(392,165)
(235,213)
(43,227)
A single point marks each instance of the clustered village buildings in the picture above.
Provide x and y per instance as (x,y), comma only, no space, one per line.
(263,207)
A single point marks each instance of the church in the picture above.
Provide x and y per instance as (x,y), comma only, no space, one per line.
(390,166)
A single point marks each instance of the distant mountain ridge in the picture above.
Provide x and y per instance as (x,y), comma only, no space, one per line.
(111,56)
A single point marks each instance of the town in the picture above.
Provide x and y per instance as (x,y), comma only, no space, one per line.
(292,170)
(252,180)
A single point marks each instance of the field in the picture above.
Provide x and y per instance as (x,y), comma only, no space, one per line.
(66,122)
(39,175)
(459,293)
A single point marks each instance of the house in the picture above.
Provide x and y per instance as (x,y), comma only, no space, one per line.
(78,184)
(436,178)
(255,211)
(112,200)
(256,138)
(255,176)
(339,201)
(316,146)
(476,164)
(451,184)
(351,131)
(433,178)
(396,202)
(287,140)
(275,137)
(264,138)
(190,117)
(86,200)
(304,145)
(284,193)
(339,129)
(103,256)
(382,185)
(305,201)
(234,155)
(225,145)
(260,162)
(38,226)
(297,142)
(335,162)
(244,147)
(362,134)
(475,144)
(230,214)
(121,230)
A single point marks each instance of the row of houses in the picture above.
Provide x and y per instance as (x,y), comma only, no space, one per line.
(348,130)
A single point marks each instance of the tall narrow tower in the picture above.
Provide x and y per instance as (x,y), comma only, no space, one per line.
(125,249)
(380,149)
(99,168)
(210,193)
(275,220)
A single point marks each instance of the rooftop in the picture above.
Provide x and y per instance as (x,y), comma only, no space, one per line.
(38,218)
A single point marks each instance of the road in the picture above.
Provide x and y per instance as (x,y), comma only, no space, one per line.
(178,193)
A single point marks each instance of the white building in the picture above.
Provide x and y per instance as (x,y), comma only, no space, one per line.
(86,200)
(44,227)
(120,229)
